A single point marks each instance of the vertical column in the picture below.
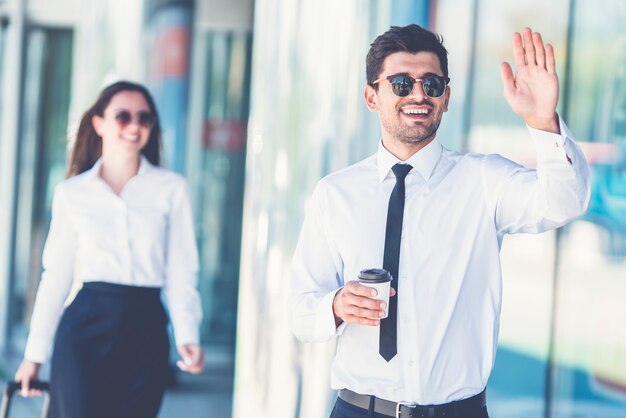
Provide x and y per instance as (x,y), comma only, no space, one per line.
(9,155)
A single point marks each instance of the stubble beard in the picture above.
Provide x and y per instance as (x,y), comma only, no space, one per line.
(413,135)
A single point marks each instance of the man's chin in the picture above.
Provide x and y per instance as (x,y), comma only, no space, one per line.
(417,139)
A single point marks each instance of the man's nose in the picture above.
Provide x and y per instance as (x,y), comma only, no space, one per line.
(418,91)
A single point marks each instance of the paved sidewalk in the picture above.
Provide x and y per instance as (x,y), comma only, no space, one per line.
(207,395)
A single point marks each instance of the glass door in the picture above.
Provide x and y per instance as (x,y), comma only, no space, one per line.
(42,143)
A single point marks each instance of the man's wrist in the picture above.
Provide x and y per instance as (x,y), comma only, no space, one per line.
(544,124)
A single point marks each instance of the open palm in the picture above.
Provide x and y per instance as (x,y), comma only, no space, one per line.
(533,91)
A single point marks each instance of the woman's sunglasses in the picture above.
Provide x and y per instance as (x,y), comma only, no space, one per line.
(144,119)
(402,85)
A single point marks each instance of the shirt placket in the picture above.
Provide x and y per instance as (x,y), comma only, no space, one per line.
(126,244)
(408,323)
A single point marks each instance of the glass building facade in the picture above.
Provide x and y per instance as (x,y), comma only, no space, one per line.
(562,346)
(259,100)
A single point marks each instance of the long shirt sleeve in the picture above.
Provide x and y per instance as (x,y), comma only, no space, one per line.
(181,295)
(56,281)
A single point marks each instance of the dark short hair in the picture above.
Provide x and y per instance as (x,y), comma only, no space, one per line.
(88,145)
(411,38)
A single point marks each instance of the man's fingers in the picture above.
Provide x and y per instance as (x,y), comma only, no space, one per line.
(518,50)
(508,80)
(550,61)
(364,312)
(540,53)
(529,47)
(357,305)
(353,319)
(360,290)
(365,302)
(353,303)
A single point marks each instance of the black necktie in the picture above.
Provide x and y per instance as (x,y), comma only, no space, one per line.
(387,345)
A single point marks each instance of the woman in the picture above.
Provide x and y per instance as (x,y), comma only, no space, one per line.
(123,227)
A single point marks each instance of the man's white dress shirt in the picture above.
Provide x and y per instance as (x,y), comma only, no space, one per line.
(143,237)
(457,210)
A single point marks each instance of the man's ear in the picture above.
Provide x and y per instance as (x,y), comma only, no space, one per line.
(371,98)
(96,122)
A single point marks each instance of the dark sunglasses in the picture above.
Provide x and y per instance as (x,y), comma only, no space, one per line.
(144,119)
(402,85)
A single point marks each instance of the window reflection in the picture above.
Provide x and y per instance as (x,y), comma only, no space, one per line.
(216,163)
(41,164)
(590,342)
(4,22)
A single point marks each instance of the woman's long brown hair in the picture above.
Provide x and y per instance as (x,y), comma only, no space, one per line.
(88,145)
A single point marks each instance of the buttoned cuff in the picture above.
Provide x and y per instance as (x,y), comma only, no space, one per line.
(326,318)
(551,146)
(186,332)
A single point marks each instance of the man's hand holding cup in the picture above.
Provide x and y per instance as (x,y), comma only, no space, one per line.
(364,301)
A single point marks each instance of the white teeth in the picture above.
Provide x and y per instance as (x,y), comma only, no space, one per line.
(415,111)
(131,138)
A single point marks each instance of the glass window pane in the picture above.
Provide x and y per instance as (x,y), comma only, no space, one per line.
(590,341)
(3,30)
(216,172)
(42,157)
(517,387)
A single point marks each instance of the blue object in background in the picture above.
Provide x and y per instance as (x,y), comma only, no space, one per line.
(405,12)
(170,77)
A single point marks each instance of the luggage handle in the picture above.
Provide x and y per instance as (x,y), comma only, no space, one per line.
(12,386)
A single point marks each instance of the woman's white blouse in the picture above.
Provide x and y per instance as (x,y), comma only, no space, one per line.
(143,237)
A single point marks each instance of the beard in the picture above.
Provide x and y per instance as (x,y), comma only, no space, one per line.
(411,134)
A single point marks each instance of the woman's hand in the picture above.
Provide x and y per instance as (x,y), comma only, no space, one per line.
(192,357)
(28,370)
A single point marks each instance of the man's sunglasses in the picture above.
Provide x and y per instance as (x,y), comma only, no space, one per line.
(402,84)
(144,119)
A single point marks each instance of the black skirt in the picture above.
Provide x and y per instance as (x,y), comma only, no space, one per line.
(110,354)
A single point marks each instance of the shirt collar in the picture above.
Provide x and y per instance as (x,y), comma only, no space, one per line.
(423,161)
(94,172)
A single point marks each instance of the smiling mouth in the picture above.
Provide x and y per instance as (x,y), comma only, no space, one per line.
(131,138)
(415,111)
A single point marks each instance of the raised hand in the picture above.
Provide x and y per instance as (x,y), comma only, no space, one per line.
(533,91)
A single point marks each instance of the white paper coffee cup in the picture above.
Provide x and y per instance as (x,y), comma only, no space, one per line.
(379,279)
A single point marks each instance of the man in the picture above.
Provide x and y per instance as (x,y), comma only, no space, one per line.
(435,219)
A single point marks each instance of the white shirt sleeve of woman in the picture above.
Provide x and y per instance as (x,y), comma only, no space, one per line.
(181,269)
(56,281)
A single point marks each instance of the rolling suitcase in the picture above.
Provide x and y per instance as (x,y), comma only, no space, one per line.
(11,387)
